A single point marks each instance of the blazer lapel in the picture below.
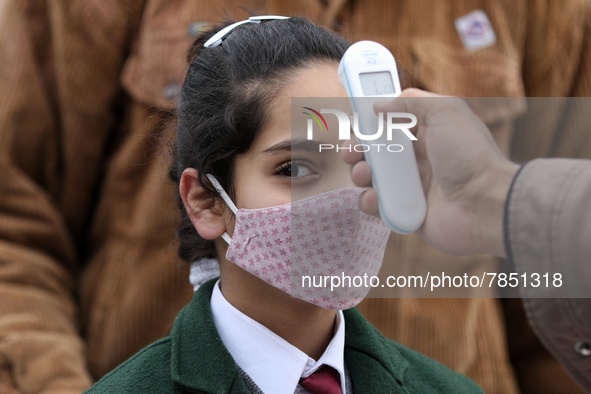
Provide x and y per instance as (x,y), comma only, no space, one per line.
(199,359)
(374,365)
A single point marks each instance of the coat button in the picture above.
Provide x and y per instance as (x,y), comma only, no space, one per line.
(583,348)
(171,91)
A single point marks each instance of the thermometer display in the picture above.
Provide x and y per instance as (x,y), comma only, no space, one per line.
(377,83)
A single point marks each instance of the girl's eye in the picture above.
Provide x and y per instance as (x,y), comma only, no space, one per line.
(294,169)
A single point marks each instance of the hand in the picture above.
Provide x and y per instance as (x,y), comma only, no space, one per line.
(465,176)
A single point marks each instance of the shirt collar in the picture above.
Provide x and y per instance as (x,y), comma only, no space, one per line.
(280,366)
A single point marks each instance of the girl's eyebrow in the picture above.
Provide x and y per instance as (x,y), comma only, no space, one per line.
(292,145)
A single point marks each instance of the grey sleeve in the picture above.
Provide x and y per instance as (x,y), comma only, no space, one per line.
(548,230)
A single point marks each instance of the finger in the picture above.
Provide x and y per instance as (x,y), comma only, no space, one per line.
(361,174)
(352,156)
(368,203)
(414,92)
(400,104)
(420,103)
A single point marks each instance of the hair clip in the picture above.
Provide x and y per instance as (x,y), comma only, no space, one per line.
(218,37)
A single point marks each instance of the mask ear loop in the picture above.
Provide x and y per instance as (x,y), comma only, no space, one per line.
(225,236)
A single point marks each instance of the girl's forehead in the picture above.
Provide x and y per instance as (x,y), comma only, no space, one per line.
(318,81)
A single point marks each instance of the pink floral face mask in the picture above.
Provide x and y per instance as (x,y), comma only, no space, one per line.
(318,249)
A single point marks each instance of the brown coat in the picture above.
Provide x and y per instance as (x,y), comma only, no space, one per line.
(88,266)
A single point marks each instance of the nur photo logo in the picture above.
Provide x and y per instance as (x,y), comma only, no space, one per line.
(380,135)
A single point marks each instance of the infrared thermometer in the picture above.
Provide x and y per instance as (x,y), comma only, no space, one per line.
(369,74)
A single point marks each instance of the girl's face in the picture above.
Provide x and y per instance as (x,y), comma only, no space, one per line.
(282,165)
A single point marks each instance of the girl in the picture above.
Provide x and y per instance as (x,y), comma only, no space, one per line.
(270,208)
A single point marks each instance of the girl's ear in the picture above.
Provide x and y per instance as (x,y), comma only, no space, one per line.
(200,206)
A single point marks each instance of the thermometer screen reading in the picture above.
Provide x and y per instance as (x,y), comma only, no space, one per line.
(377,84)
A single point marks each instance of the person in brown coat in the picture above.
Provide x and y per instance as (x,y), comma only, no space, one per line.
(88,266)
(537,215)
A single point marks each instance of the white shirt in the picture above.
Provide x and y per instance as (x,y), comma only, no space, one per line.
(272,363)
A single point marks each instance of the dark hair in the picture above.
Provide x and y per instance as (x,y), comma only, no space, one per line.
(224,100)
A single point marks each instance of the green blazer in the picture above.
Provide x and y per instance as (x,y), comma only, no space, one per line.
(193,359)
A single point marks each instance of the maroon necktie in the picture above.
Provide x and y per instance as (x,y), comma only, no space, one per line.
(325,380)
